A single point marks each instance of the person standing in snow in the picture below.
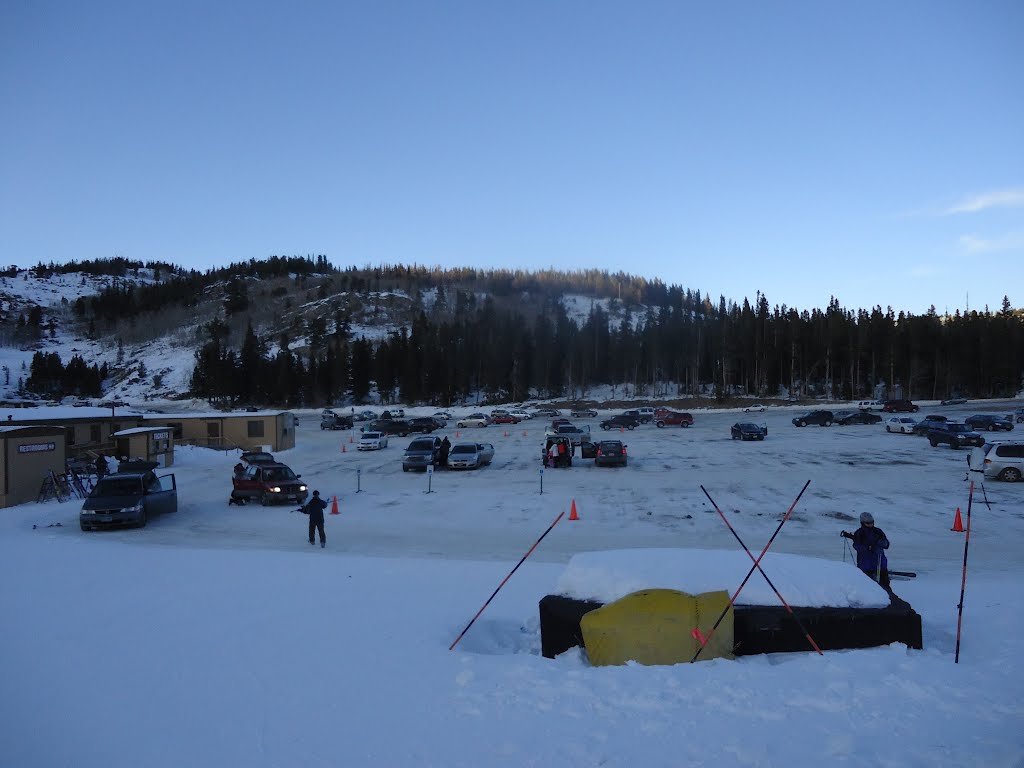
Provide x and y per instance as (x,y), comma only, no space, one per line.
(101,466)
(442,454)
(870,544)
(315,509)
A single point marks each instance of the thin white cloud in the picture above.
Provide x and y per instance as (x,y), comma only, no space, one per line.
(1000,198)
(1009,242)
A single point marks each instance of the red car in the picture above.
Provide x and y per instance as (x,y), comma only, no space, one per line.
(672,419)
(899,406)
(268,483)
(504,418)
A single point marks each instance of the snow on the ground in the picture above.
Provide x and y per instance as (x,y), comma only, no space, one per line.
(217,636)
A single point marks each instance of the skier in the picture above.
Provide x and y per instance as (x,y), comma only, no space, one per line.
(315,509)
(870,543)
(442,454)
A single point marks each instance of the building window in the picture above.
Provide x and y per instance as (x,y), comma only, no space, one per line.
(213,429)
(94,433)
(70,435)
(255,428)
(179,430)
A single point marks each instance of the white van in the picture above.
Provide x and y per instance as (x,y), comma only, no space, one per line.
(870,405)
(999,461)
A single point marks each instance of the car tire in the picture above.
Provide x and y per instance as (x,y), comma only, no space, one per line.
(935,443)
(631,427)
(827,423)
(659,424)
(991,427)
(265,499)
(735,437)
(85,527)
(887,429)
(760,437)
(1010,475)
(144,519)
(800,424)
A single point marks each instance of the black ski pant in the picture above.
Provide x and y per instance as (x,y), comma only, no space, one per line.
(314,526)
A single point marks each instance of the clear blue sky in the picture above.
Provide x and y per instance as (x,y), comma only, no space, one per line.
(870,150)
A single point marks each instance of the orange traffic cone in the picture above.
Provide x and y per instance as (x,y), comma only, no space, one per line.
(343,448)
(572,512)
(456,433)
(958,524)
(351,439)
(506,433)
(334,506)
(524,433)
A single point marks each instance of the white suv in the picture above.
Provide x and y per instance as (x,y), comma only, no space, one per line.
(870,405)
(1002,461)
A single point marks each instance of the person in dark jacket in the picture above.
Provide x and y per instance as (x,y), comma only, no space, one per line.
(442,455)
(315,509)
(101,466)
(870,544)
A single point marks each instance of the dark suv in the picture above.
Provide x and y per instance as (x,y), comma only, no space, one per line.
(423,424)
(610,453)
(953,434)
(821,418)
(989,422)
(899,406)
(422,452)
(621,421)
(398,427)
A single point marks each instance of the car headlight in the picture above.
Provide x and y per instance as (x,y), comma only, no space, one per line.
(302,487)
(134,509)
(276,489)
(88,511)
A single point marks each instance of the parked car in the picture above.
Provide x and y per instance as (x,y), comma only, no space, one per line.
(953,434)
(522,414)
(129,496)
(268,484)
(546,412)
(1019,414)
(673,419)
(903,424)
(398,427)
(639,414)
(621,421)
(472,421)
(583,413)
(989,422)
(821,418)
(954,401)
(748,431)
(999,461)
(846,418)
(422,452)
(444,416)
(929,421)
(396,413)
(504,418)
(899,406)
(610,453)
(422,424)
(755,408)
(364,416)
(334,421)
(870,405)
(470,455)
(576,434)
(372,441)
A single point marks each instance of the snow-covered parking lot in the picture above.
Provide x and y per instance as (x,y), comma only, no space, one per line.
(217,636)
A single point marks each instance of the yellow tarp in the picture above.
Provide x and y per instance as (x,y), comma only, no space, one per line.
(655,626)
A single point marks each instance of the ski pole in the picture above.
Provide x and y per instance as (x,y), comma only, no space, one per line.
(750,572)
(963,580)
(757,565)
(538,541)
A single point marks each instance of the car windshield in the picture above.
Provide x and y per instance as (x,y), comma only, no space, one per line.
(370,436)
(753,427)
(906,420)
(958,428)
(614,445)
(464,449)
(117,486)
(277,474)
(421,445)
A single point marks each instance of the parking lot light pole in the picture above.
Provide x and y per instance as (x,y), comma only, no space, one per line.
(542,481)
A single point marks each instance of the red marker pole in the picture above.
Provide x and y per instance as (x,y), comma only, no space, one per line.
(538,541)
